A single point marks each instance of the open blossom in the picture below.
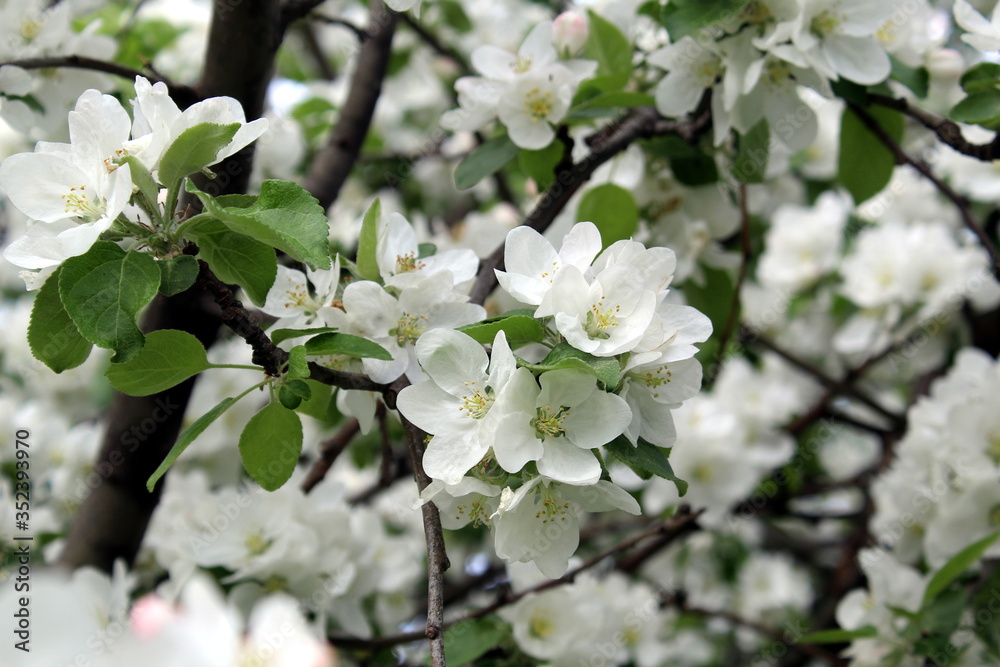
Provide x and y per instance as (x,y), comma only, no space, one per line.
(397,253)
(463,401)
(291,300)
(982,33)
(532,263)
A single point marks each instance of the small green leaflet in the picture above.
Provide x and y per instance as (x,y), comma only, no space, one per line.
(292,393)
(284,216)
(237,258)
(485,160)
(187,437)
(368,243)
(956,565)
(612,208)
(519,329)
(865,164)
(196,148)
(982,78)
(168,358)
(564,356)
(838,636)
(540,165)
(317,405)
(143,180)
(750,165)
(103,291)
(53,338)
(270,445)
(646,460)
(298,367)
(917,79)
(177,274)
(280,335)
(981,108)
(685,17)
(341,343)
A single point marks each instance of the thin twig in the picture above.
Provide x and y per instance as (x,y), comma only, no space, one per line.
(358,31)
(179,92)
(682,523)
(960,203)
(947,131)
(329,451)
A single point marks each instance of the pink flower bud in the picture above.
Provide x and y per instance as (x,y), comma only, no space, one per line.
(569,33)
(149,614)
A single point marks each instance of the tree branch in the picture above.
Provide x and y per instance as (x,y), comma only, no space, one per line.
(947,131)
(328,453)
(334,162)
(184,95)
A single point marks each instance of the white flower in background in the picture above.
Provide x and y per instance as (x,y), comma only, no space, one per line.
(462,403)
(837,38)
(73,191)
(557,425)
(539,521)
(652,390)
(532,264)
(692,68)
(533,103)
(803,244)
(982,33)
(398,255)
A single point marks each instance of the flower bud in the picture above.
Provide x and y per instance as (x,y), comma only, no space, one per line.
(569,34)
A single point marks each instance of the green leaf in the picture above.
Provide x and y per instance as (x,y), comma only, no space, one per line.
(646,460)
(611,49)
(917,79)
(237,259)
(984,605)
(187,437)
(293,393)
(838,636)
(341,343)
(685,17)
(426,250)
(540,165)
(103,291)
(317,405)
(866,165)
(519,329)
(52,337)
(468,640)
(699,169)
(485,160)
(298,366)
(168,358)
(982,78)
(177,274)
(941,617)
(564,356)
(195,149)
(752,153)
(368,242)
(270,445)
(956,565)
(612,208)
(280,335)
(455,16)
(284,216)
(979,109)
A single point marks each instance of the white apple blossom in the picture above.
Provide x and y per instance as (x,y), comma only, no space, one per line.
(982,33)
(398,255)
(291,300)
(463,402)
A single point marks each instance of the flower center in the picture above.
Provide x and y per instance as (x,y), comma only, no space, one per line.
(256,543)
(479,402)
(537,105)
(655,378)
(408,262)
(599,320)
(77,203)
(408,329)
(825,23)
(30,29)
(548,423)
(477,511)
(541,626)
(778,71)
(521,65)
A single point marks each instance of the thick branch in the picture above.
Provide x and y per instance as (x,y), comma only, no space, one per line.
(947,131)
(334,162)
(642,123)
(183,95)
